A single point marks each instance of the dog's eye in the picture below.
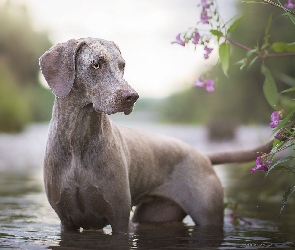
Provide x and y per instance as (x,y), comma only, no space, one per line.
(96,65)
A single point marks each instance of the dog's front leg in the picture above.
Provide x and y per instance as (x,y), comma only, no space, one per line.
(117,195)
(122,225)
(119,219)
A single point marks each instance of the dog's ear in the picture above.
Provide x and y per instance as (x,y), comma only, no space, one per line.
(58,66)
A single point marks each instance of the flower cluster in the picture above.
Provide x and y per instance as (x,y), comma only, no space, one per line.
(208,84)
(205,17)
(289,5)
(261,164)
(196,39)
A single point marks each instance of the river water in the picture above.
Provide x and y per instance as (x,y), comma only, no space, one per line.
(28,222)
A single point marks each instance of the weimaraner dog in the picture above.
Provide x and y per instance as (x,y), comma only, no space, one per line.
(95,171)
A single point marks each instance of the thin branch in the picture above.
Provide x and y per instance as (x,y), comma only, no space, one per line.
(239,45)
(257,52)
(281,54)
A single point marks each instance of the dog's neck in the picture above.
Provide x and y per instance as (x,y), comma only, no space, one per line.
(76,126)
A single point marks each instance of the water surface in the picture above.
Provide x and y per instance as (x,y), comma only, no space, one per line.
(28,222)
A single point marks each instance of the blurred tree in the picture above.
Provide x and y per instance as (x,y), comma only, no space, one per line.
(23,99)
(239,98)
(14,110)
(20,44)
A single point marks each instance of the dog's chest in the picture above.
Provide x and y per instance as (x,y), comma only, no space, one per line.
(85,206)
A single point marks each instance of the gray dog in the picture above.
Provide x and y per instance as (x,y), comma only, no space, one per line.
(95,172)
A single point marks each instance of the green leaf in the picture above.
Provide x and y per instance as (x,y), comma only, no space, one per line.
(290,47)
(284,159)
(269,87)
(216,33)
(279,47)
(286,197)
(235,24)
(278,145)
(275,142)
(291,16)
(266,36)
(241,68)
(283,47)
(263,47)
(288,90)
(242,62)
(253,61)
(224,53)
(250,52)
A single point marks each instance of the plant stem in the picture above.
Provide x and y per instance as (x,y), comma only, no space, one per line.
(281,54)
(258,52)
(239,45)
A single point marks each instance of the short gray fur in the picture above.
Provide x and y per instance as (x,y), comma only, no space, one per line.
(96,171)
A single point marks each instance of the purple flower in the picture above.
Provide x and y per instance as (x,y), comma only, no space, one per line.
(179,41)
(275,119)
(204,4)
(289,5)
(204,17)
(260,165)
(279,137)
(208,51)
(208,84)
(199,83)
(196,38)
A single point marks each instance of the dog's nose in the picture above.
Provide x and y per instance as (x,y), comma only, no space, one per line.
(131,97)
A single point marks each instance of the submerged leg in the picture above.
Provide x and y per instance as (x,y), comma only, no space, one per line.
(158,210)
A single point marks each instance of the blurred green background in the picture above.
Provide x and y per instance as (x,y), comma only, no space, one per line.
(237,100)
(22,98)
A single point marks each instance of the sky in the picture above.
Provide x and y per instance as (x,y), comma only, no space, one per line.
(143,29)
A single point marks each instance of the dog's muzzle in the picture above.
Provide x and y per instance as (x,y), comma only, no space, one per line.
(128,100)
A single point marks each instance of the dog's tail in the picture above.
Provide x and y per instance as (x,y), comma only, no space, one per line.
(239,156)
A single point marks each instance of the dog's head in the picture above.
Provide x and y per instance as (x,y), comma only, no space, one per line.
(93,70)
